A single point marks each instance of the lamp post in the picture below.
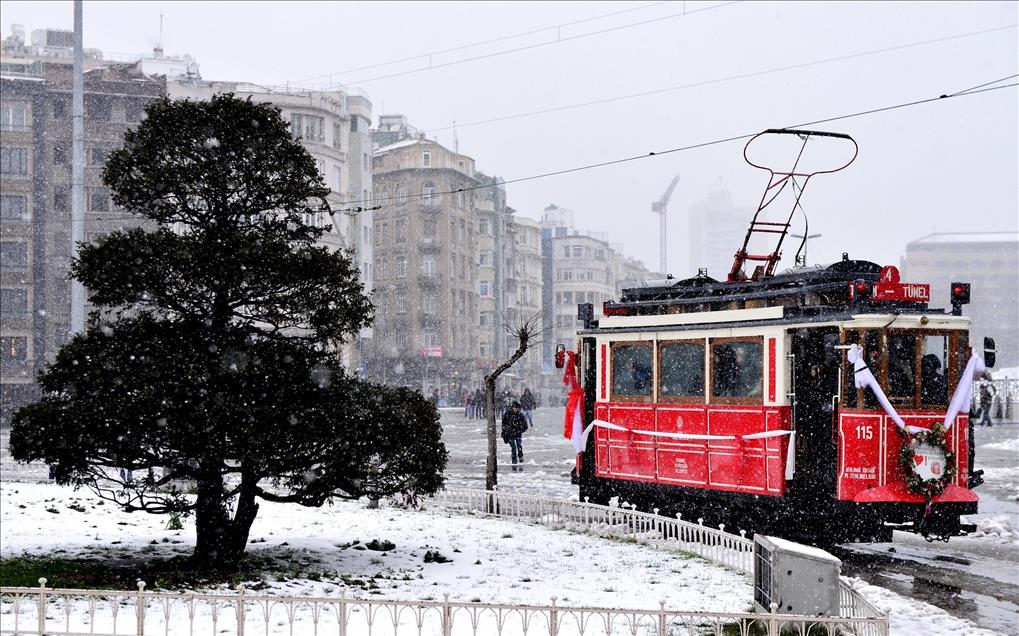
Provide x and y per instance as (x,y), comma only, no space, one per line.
(806,239)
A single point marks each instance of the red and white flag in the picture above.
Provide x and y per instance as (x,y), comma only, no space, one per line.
(573,421)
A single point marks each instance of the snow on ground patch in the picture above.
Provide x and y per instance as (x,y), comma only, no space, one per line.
(490,560)
(1001,528)
(909,617)
(1007,445)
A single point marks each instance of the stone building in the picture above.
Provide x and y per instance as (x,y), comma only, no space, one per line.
(426,266)
(989,261)
(527,285)
(35,179)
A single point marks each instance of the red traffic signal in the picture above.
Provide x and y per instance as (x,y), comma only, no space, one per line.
(860,290)
(960,293)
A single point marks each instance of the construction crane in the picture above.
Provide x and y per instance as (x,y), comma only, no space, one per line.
(660,207)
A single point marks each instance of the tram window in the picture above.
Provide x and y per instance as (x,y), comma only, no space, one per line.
(681,371)
(631,371)
(902,366)
(934,369)
(736,369)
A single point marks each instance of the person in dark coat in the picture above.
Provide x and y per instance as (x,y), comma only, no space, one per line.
(513,426)
(527,404)
(986,399)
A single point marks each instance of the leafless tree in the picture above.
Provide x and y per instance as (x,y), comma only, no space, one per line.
(527,332)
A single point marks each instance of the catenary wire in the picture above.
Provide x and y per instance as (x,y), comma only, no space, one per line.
(542,44)
(482,43)
(719,80)
(976,90)
(412,197)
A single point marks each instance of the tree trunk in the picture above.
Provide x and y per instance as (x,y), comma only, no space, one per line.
(221,541)
(491,465)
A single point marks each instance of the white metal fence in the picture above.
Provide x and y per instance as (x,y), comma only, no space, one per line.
(45,610)
(717,545)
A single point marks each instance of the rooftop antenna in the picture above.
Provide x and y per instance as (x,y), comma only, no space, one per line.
(159,45)
(660,208)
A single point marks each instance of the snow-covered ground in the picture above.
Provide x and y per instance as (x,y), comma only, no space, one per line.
(494,560)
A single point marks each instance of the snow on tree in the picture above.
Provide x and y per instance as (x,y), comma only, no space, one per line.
(211,356)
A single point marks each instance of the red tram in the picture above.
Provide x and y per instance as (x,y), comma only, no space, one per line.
(822,404)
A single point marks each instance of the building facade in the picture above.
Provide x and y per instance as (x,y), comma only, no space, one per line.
(35,179)
(426,267)
(717,229)
(527,285)
(989,261)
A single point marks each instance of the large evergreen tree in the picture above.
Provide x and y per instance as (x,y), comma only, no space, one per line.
(211,356)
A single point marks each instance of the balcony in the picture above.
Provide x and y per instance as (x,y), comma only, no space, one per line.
(429,245)
(428,280)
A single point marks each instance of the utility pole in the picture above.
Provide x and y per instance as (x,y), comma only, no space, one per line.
(77,167)
(660,208)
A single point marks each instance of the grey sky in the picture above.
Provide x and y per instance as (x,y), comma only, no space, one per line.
(946,166)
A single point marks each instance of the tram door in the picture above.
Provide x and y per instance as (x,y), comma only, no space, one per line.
(815,378)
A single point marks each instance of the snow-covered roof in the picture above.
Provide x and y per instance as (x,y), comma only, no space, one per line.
(399,144)
(968,237)
(804,550)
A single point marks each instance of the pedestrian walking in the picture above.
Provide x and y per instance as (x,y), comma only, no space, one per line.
(513,427)
(527,404)
(986,399)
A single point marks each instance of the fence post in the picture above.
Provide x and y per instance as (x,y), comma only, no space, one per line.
(553,619)
(41,607)
(773,621)
(139,610)
(342,618)
(447,616)
(662,624)
(240,610)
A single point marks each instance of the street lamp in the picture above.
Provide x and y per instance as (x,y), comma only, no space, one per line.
(806,238)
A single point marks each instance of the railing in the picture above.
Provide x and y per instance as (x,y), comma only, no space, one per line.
(733,551)
(51,611)
(736,552)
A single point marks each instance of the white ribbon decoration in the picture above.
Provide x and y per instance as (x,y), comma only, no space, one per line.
(865,379)
(790,462)
(963,395)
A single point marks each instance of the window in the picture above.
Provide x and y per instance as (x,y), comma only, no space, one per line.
(429,228)
(13,256)
(60,108)
(567,251)
(320,165)
(736,371)
(14,161)
(13,301)
(401,303)
(485,258)
(98,156)
(428,265)
(934,369)
(60,155)
(631,372)
(428,193)
(296,125)
(98,200)
(308,127)
(681,371)
(426,159)
(428,303)
(62,199)
(14,207)
(460,164)
(353,124)
(133,110)
(400,227)
(901,366)
(14,117)
(97,108)
(365,163)
(337,136)
(13,349)
(485,289)
(567,274)
(401,266)
(578,251)
(337,179)
(568,298)
(483,227)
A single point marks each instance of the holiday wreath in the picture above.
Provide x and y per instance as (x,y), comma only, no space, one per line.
(909,459)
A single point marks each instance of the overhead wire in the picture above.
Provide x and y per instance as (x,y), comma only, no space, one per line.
(729,78)
(528,47)
(413,197)
(975,90)
(483,42)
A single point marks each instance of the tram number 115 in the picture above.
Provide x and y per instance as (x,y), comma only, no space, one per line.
(864,432)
